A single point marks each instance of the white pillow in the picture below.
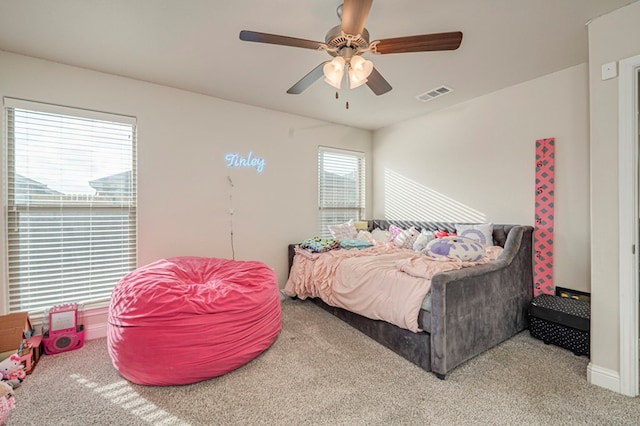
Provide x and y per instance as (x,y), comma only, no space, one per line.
(366,236)
(423,239)
(344,230)
(406,238)
(381,235)
(482,233)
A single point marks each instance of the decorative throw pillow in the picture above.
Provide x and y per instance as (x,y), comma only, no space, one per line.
(482,233)
(362,225)
(395,231)
(381,235)
(344,230)
(406,238)
(366,236)
(458,248)
(443,233)
(423,239)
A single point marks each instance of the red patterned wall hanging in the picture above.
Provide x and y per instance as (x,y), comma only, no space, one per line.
(543,232)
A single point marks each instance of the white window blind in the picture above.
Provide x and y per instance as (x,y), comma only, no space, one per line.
(71,204)
(341,187)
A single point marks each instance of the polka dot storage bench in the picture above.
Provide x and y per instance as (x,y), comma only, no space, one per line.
(187,319)
(561,321)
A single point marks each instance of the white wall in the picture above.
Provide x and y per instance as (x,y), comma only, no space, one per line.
(183,190)
(476,161)
(612,37)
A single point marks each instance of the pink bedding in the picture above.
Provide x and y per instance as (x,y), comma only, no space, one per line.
(382,282)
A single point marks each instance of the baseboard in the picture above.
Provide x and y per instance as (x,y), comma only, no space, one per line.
(95,323)
(95,331)
(603,377)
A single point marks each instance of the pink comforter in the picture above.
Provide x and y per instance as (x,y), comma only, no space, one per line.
(382,282)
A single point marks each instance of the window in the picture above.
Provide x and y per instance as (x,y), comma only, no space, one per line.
(71,204)
(341,187)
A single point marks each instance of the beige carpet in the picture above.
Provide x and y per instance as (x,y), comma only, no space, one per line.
(321,371)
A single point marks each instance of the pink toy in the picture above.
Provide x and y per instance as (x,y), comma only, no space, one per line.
(12,371)
(7,401)
(64,334)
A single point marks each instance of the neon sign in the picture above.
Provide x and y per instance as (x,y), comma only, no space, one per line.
(237,160)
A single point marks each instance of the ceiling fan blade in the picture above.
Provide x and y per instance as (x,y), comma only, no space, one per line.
(278,39)
(354,15)
(377,83)
(306,81)
(420,43)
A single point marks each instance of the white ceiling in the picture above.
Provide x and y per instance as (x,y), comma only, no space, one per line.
(194,45)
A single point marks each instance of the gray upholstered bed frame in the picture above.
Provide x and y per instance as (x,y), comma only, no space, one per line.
(472,309)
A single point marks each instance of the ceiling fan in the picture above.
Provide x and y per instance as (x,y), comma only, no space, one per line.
(347,42)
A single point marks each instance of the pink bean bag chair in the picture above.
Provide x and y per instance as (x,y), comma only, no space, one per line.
(187,319)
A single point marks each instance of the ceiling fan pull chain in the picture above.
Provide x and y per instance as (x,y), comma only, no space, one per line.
(346,103)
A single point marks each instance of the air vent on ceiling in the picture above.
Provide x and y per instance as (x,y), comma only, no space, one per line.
(432,94)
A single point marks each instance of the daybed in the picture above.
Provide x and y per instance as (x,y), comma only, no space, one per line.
(471,309)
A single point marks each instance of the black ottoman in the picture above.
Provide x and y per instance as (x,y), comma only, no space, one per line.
(561,321)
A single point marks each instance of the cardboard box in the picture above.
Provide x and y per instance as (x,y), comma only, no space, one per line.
(15,331)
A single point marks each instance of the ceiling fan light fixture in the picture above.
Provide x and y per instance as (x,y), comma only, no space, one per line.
(333,71)
(359,71)
(355,81)
(360,67)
